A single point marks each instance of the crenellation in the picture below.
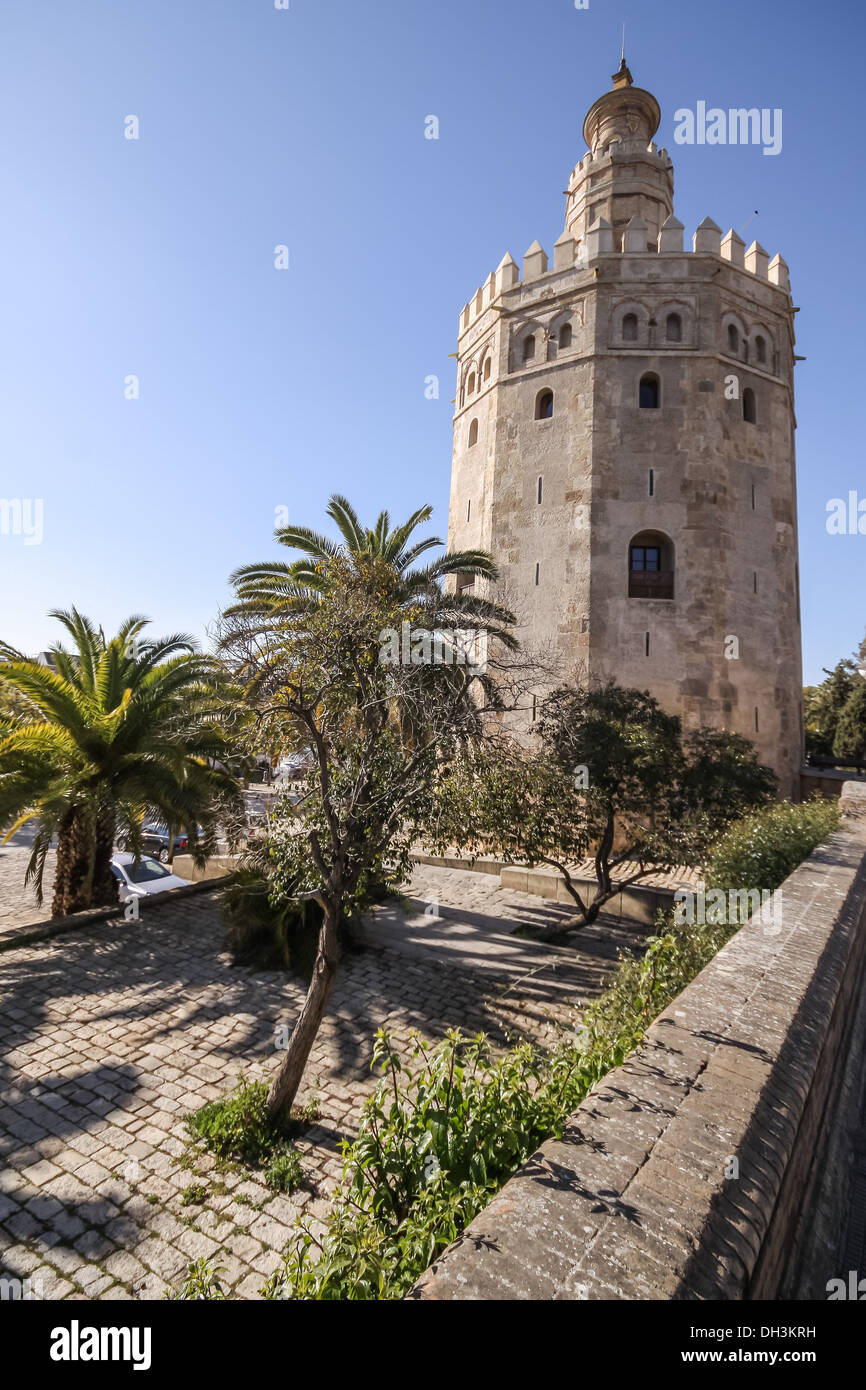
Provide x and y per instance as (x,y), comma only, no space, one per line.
(733,248)
(599,239)
(757,260)
(777,272)
(563,252)
(534,262)
(507,274)
(671,237)
(707,239)
(635,242)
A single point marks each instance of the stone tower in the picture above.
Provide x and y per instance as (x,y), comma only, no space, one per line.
(624,445)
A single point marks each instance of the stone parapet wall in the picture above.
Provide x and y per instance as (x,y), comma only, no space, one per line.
(685,1173)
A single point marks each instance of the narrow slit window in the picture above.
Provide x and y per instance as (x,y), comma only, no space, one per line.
(753,496)
(646,644)
(757,729)
(539,492)
(750,409)
(652,482)
(469,509)
(537,570)
(754,581)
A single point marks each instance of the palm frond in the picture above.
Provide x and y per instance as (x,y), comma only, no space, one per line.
(339,509)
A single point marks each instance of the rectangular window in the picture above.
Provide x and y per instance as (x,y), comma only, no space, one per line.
(645,557)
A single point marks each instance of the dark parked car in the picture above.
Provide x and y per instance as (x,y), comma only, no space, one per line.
(154,838)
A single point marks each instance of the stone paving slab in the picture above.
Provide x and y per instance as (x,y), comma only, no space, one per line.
(112,1033)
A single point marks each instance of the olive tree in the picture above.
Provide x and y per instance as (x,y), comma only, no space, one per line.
(609,774)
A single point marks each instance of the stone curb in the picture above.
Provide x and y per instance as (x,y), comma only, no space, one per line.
(58,926)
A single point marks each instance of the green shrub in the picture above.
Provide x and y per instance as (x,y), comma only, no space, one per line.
(761,850)
(265,935)
(273,932)
(202,1282)
(193,1195)
(284,1173)
(433,1145)
(239,1127)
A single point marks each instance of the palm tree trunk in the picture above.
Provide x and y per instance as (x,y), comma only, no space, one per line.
(284,1086)
(83,877)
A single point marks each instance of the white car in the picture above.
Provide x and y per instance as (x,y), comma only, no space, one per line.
(144,878)
(293,767)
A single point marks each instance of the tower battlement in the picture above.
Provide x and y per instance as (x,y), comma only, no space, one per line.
(707,240)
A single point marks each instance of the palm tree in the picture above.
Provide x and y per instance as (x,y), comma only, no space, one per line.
(271,592)
(273,587)
(114,731)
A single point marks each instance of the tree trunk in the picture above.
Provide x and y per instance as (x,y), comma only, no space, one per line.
(284,1086)
(602,856)
(83,877)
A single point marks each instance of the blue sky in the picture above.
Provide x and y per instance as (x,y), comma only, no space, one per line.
(262,388)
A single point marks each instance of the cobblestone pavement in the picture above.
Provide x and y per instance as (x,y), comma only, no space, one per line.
(112,1033)
(18,907)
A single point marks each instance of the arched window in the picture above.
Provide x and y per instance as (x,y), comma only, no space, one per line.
(565,336)
(473,433)
(529,348)
(674,328)
(486,371)
(471,384)
(760,349)
(750,411)
(544,405)
(629,328)
(651,566)
(648,396)
(733,338)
